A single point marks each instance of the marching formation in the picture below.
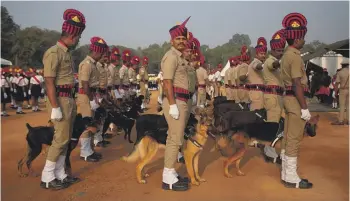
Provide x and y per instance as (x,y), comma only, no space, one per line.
(258,90)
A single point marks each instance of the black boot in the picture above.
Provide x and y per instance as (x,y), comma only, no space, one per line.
(91,158)
(178,186)
(303,184)
(70,180)
(54,185)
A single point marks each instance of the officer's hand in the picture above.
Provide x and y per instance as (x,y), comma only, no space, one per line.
(174,111)
(305,114)
(94,105)
(29,92)
(56,114)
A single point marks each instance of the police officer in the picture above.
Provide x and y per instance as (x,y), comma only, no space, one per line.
(255,76)
(87,100)
(59,81)
(228,80)
(102,65)
(202,77)
(135,61)
(295,82)
(242,81)
(274,88)
(144,80)
(175,83)
(342,86)
(111,72)
(123,73)
(116,58)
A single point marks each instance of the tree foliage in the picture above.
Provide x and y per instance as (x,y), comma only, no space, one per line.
(25,47)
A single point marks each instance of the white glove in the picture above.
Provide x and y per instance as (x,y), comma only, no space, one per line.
(11,89)
(174,111)
(131,80)
(56,114)
(5,95)
(15,90)
(333,94)
(305,114)
(42,90)
(100,100)
(24,94)
(94,105)
(146,86)
(29,92)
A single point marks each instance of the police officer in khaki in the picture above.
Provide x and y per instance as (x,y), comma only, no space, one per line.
(228,79)
(144,80)
(255,76)
(135,61)
(87,100)
(175,83)
(117,81)
(111,72)
(123,73)
(59,81)
(342,86)
(274,89)
(233,79)
(102,65)
(242,81)
(295,82)
(202,77)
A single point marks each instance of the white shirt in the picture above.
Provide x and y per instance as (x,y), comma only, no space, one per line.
(13,80)
(22,81)
(39,78)
(210,77)
(217,76)
(4,82)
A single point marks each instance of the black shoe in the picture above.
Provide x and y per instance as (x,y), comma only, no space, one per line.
(303,184)
(108,136)
(97,155)
(105,142)
(181,160)
(13,107)
(268,159)
(100,144)
(183,179)
(5,115)
(54,185)
(21,112)
(91,158)
(178,186)
(70,180)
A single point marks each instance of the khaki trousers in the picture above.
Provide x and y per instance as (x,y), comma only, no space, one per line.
(343,104)
(201,96)
(243,96)
(257,100)
(273,105)
(63,128)
(83,103)
(176,128)
(293,126)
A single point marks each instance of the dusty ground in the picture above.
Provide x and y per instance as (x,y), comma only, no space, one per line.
(324,160)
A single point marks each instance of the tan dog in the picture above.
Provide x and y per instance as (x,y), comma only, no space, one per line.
(147,148)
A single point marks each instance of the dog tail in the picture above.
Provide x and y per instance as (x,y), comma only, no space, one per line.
(28,126)
(138,151)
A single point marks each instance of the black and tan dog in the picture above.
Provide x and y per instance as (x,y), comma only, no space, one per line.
(148,146)
(41,136)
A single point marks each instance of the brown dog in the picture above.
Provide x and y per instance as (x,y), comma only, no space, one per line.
(241,139)
(147,148)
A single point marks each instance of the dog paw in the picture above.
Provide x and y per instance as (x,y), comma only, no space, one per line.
(240,173)
(146,175)
(23,175)
(202,180)
(195,183)
(142,181)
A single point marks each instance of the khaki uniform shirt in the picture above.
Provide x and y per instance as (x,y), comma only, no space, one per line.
(292,66)
(271,75)
(255,76)
(227,75)
(174,67)
(343,78)
(103,77)
(202,75)
(123,74)
(88,72)
(192,79)
(110,74)
(242,69)
(58,63)
(132,76)
(116,75)
(143,74)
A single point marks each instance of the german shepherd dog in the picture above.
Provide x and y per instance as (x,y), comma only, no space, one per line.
(148,146)
(40,136)
(241,134)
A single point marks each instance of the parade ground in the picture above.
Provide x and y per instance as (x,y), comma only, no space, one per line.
(324,160)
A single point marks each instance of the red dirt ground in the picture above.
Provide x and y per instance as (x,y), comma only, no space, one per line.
(324,160)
